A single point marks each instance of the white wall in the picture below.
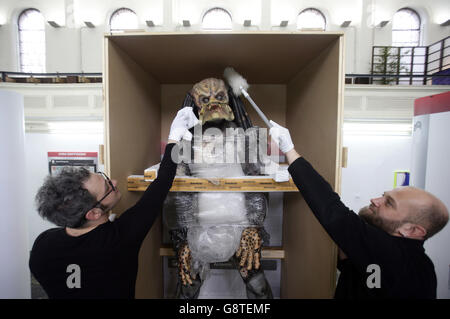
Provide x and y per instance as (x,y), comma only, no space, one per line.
(438,183)
(74,48)
(63,50)
(14,273)
(372,161)
(36,147)
(9,56)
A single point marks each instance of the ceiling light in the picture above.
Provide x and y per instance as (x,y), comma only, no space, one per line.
(382,24)
(377,128)
(54,24)
(89,24)
(75,127)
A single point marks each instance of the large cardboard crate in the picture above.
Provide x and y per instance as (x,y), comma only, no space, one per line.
(297,80)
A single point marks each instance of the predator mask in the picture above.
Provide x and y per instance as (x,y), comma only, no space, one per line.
(210,96)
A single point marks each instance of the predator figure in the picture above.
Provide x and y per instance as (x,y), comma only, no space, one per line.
(209,227)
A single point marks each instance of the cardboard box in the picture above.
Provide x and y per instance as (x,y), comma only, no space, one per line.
(296,78)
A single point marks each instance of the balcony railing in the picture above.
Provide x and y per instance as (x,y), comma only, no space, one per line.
(424,65)
(419,65)
(20,77)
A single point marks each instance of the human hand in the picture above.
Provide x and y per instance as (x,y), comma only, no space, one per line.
(281,136)
(250,248)
(184,264)
(183,121)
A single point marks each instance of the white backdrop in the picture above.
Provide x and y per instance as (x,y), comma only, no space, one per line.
(14,273)
(437,182)
(372,161)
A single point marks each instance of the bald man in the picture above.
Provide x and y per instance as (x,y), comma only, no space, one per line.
(381,251)
(406,212)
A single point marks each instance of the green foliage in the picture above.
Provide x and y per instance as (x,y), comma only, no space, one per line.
(387,62)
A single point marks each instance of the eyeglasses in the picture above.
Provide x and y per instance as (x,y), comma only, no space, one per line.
(113,188)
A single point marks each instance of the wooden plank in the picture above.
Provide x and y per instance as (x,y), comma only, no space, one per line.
(101,154)
(344,157)
(260,63)
(150,175)
(267,252)
(132,111)
(137,183)
(313,119)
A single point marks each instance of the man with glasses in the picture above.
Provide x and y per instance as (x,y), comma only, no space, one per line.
(88,256)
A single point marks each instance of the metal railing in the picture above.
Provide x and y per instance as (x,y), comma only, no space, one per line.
(435,79)
(419,65)
(21,77)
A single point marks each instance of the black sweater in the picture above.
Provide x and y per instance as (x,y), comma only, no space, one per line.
(107,256)
(405,269)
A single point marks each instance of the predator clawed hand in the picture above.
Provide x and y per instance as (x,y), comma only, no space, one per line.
(249,250)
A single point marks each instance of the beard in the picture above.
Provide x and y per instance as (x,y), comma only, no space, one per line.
(373,218)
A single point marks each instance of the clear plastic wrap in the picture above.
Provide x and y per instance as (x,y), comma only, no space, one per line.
(256,208)
(213,221)
(210,157)
(180,209)
(216,209)
(185,209)
(214,243)
(218,153)
(218,170)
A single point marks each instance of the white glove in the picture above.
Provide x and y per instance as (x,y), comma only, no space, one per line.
(281,136)
(183,121)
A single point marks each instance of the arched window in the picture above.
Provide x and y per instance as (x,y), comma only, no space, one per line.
(311,19)
(217,19)
(123,19)
(31,41)
(406,28)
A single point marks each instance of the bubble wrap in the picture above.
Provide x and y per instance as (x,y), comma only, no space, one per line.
(213,222)
(214,243)
(185,209)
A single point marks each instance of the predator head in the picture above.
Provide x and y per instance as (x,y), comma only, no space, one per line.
(211,98)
